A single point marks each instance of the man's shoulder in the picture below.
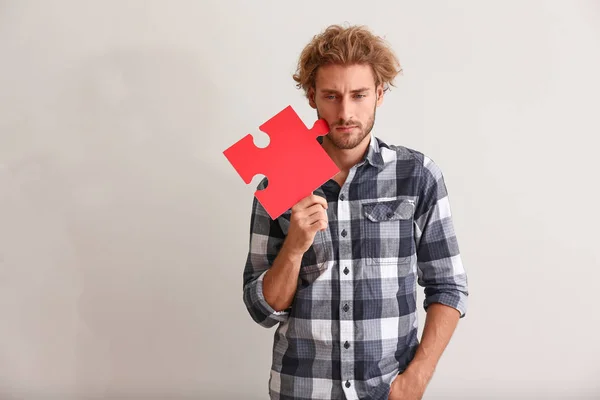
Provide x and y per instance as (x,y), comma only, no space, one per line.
(394,152)
(399,152)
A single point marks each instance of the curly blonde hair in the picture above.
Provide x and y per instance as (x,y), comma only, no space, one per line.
(347,46)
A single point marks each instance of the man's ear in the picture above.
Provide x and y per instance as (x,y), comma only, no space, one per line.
(379,92)
(311,97)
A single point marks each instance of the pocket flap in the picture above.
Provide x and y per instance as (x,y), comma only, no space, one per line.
(389,210)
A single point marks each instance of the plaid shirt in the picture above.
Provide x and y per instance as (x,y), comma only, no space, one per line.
(352,327)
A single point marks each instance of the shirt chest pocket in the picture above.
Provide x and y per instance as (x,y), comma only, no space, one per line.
(387,231)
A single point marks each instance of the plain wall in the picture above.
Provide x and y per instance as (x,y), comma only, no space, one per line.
(124,230)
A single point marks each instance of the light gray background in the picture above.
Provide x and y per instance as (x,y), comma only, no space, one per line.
(123,229)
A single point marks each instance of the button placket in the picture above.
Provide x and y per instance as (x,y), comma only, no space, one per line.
(346,288)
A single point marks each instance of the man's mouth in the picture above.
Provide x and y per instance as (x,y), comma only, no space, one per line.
(345,128)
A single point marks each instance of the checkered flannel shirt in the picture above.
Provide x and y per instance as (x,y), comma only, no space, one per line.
(352,326)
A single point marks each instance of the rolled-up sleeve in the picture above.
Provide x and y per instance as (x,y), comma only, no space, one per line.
(440,268)
(266,238)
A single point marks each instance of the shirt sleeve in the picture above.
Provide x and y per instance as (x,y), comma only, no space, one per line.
(440,267)
(266,238)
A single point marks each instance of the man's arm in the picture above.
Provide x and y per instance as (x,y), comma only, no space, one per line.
(439,262)
(281,280)
(442,274)
(274,258)
(266,240)
(307,217)
(440,323)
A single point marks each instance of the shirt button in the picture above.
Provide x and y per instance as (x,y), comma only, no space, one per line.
(347,384)
(346,307)
(344,233)
(342,197)
(346,345)
(346,270)
(390,215)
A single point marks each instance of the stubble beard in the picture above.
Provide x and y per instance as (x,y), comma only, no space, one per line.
(344,141)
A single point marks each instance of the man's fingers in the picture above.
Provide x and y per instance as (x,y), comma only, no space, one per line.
(319,225)
(309,201)
(318,216)
(314,209)
(309,215)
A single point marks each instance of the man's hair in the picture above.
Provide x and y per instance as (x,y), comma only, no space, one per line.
(347,46)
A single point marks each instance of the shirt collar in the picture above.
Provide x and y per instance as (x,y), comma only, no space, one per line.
(373,155)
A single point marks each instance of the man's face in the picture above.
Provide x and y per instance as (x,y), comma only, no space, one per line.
(346,97)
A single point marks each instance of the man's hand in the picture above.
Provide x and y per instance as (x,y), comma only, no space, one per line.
(408,386)
(308,217)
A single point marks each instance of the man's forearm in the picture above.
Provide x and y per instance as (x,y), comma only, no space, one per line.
(440,323)
(281,280)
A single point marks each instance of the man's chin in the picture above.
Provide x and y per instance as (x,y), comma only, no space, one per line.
(345,143)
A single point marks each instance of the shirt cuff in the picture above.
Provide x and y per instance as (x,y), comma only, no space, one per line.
(455,299)
(260,310)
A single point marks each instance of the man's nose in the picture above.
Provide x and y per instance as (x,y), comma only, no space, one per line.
(345,111)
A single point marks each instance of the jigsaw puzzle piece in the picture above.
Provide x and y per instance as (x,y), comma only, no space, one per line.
(294,163)
(247,159)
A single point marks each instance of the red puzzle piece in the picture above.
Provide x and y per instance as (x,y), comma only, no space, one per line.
(294,162)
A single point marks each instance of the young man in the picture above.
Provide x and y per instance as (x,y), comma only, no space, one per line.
(338,271)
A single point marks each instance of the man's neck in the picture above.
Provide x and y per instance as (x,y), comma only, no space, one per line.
(346,159)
